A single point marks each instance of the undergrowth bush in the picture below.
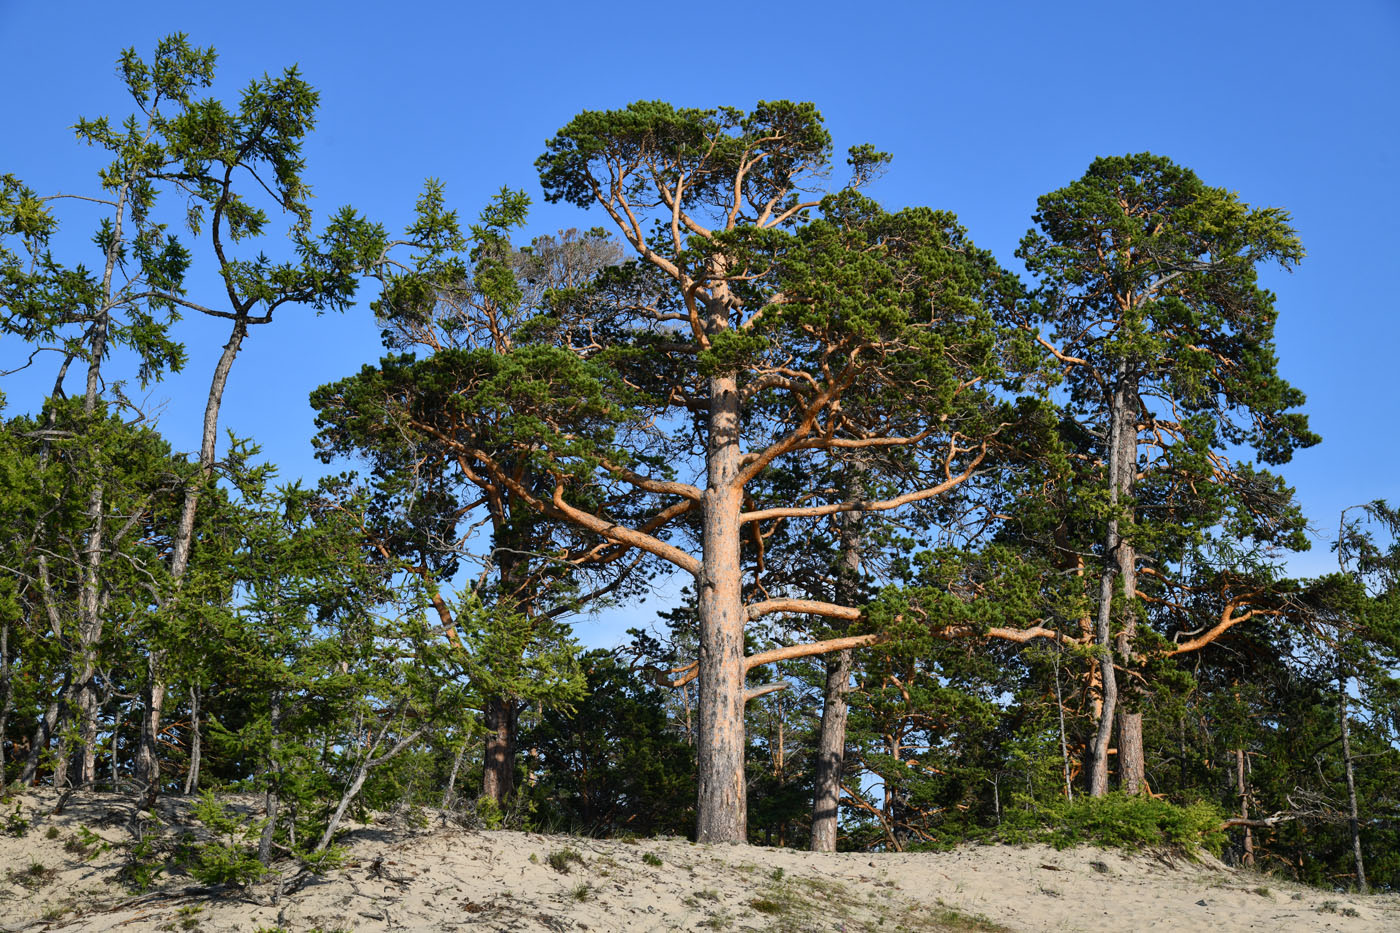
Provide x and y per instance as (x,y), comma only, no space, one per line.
(1117,821)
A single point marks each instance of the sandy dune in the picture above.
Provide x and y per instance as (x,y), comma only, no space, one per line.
(446,878)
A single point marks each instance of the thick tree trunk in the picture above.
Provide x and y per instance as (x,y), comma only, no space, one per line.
(1132,761)
(831,746)
(498,774)
(1131,769)
(831,753)
(722,806)
(1353,814)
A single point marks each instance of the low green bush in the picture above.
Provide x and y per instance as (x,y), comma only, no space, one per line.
(1117,821)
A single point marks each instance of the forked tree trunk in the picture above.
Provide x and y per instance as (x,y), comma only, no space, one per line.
(43,734)
(722,806)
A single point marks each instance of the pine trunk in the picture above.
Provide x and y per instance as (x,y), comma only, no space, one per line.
(1120,564)
(831,746)
(722,805)
(1353,814)
(831,753)
(498,775)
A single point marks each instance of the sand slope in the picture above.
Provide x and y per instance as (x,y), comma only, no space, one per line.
(446,878)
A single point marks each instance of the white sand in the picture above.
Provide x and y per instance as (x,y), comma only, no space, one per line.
(447,878)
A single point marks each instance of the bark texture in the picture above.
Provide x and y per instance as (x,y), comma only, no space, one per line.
(498,777)
(722,803)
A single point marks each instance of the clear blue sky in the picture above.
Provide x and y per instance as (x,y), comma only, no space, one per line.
(985,107)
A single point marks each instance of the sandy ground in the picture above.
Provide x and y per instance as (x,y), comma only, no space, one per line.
(442,877)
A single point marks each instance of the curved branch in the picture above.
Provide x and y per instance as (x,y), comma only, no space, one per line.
(862,505)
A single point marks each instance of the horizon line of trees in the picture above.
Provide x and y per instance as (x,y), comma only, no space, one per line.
(964,548)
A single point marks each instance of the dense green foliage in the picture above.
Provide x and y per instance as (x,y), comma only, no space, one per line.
(1028,508)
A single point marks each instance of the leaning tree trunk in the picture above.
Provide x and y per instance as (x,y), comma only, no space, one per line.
(147,768)
(1353,815)
(722,811)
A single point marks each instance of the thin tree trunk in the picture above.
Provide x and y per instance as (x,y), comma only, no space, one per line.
(1353,815)
(722,811)
(1243,789)
(358,782)
(1060,708)
(1098,755)
(270,796)
(148,760)
(502,716)
(9,691)
(449,796)
(192,776)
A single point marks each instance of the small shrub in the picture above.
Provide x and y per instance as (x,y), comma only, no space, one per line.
(1117,821)
(230,857)
(142,868)
(15,824)
(582,892)
(86,843)
(652,859)
(52,833)
(561,860)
